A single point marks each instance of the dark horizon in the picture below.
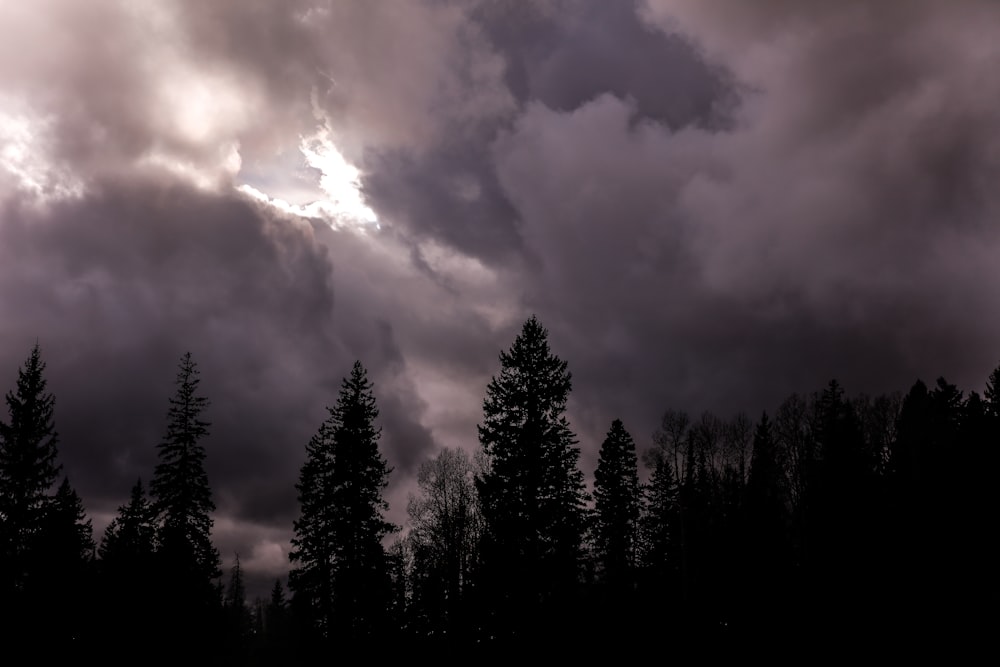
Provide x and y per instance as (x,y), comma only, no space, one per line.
(808,523)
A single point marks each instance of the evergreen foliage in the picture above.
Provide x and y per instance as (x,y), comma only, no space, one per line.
(340,577)
(617,503)
(531,489)
(28,471)
(188,561)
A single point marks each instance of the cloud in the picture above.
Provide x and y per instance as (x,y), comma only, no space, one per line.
(709,204)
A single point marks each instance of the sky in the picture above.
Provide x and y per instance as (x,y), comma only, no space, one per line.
(710,205)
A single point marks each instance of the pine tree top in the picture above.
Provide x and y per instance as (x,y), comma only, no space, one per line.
(28,443)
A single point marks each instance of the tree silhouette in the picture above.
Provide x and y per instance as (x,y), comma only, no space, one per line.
(238,619)
(129,541)
(28,469)
(64,560)
(615,530)
(444,537)
(531,488)
(340,579)
(127,559)
(660,522)
(182,499)
(617,503)
(277,624)
(765,531)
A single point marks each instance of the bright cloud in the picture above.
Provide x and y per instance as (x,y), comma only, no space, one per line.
(25,158)
(340,199)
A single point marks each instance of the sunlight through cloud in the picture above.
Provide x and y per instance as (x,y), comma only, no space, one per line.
(25,159)
(339,198)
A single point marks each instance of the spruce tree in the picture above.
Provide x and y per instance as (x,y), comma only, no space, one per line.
(765,524)
(130,539)
(28,469)
(126,559)
(64,560)
(276,613)
(182,500)
(340,578)
(239,620)
(616,506)
(660,553)
(531,488)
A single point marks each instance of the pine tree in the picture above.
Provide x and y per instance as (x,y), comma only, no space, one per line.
(660,520)
(236,592)
(28,469)
(614,532)
(840,501)
(64,559)
(340,578)
(237,611)
(182,499)
(276,612)
(765,529)
(660,538)
(126,559)
(531,488)
(129,541)
(617,502)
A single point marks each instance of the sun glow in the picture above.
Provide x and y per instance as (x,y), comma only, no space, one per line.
(339,197)
(25,157)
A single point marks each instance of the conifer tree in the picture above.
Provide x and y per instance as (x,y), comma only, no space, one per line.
(182,499)
(531,489)
(64,562)
(660,521)
(340,578)
(616,506)
(275,615)
(765,528)
(28,470)
(237,611)
(130,539)
(126,559)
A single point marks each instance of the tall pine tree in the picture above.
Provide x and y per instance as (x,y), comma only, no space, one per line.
(182,498)
(765,525)
(340,578)
(531,489)
(617,502)
(615,531)
(239,621)
(28,470)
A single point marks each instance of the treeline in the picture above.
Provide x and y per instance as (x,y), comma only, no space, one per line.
(831,519)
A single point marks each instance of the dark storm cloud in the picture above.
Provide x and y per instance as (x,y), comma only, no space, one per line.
(115,287)
(562,55)
(841,226)
(566,53)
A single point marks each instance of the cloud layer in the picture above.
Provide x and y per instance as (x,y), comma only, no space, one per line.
(709,204)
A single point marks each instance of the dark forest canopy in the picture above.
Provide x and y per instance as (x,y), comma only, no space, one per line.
(832,517)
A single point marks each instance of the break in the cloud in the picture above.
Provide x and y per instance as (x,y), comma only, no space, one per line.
(709,204)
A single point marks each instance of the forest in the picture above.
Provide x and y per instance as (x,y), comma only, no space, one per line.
(830,519)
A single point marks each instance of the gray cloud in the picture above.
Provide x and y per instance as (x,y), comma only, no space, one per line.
(116,287)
